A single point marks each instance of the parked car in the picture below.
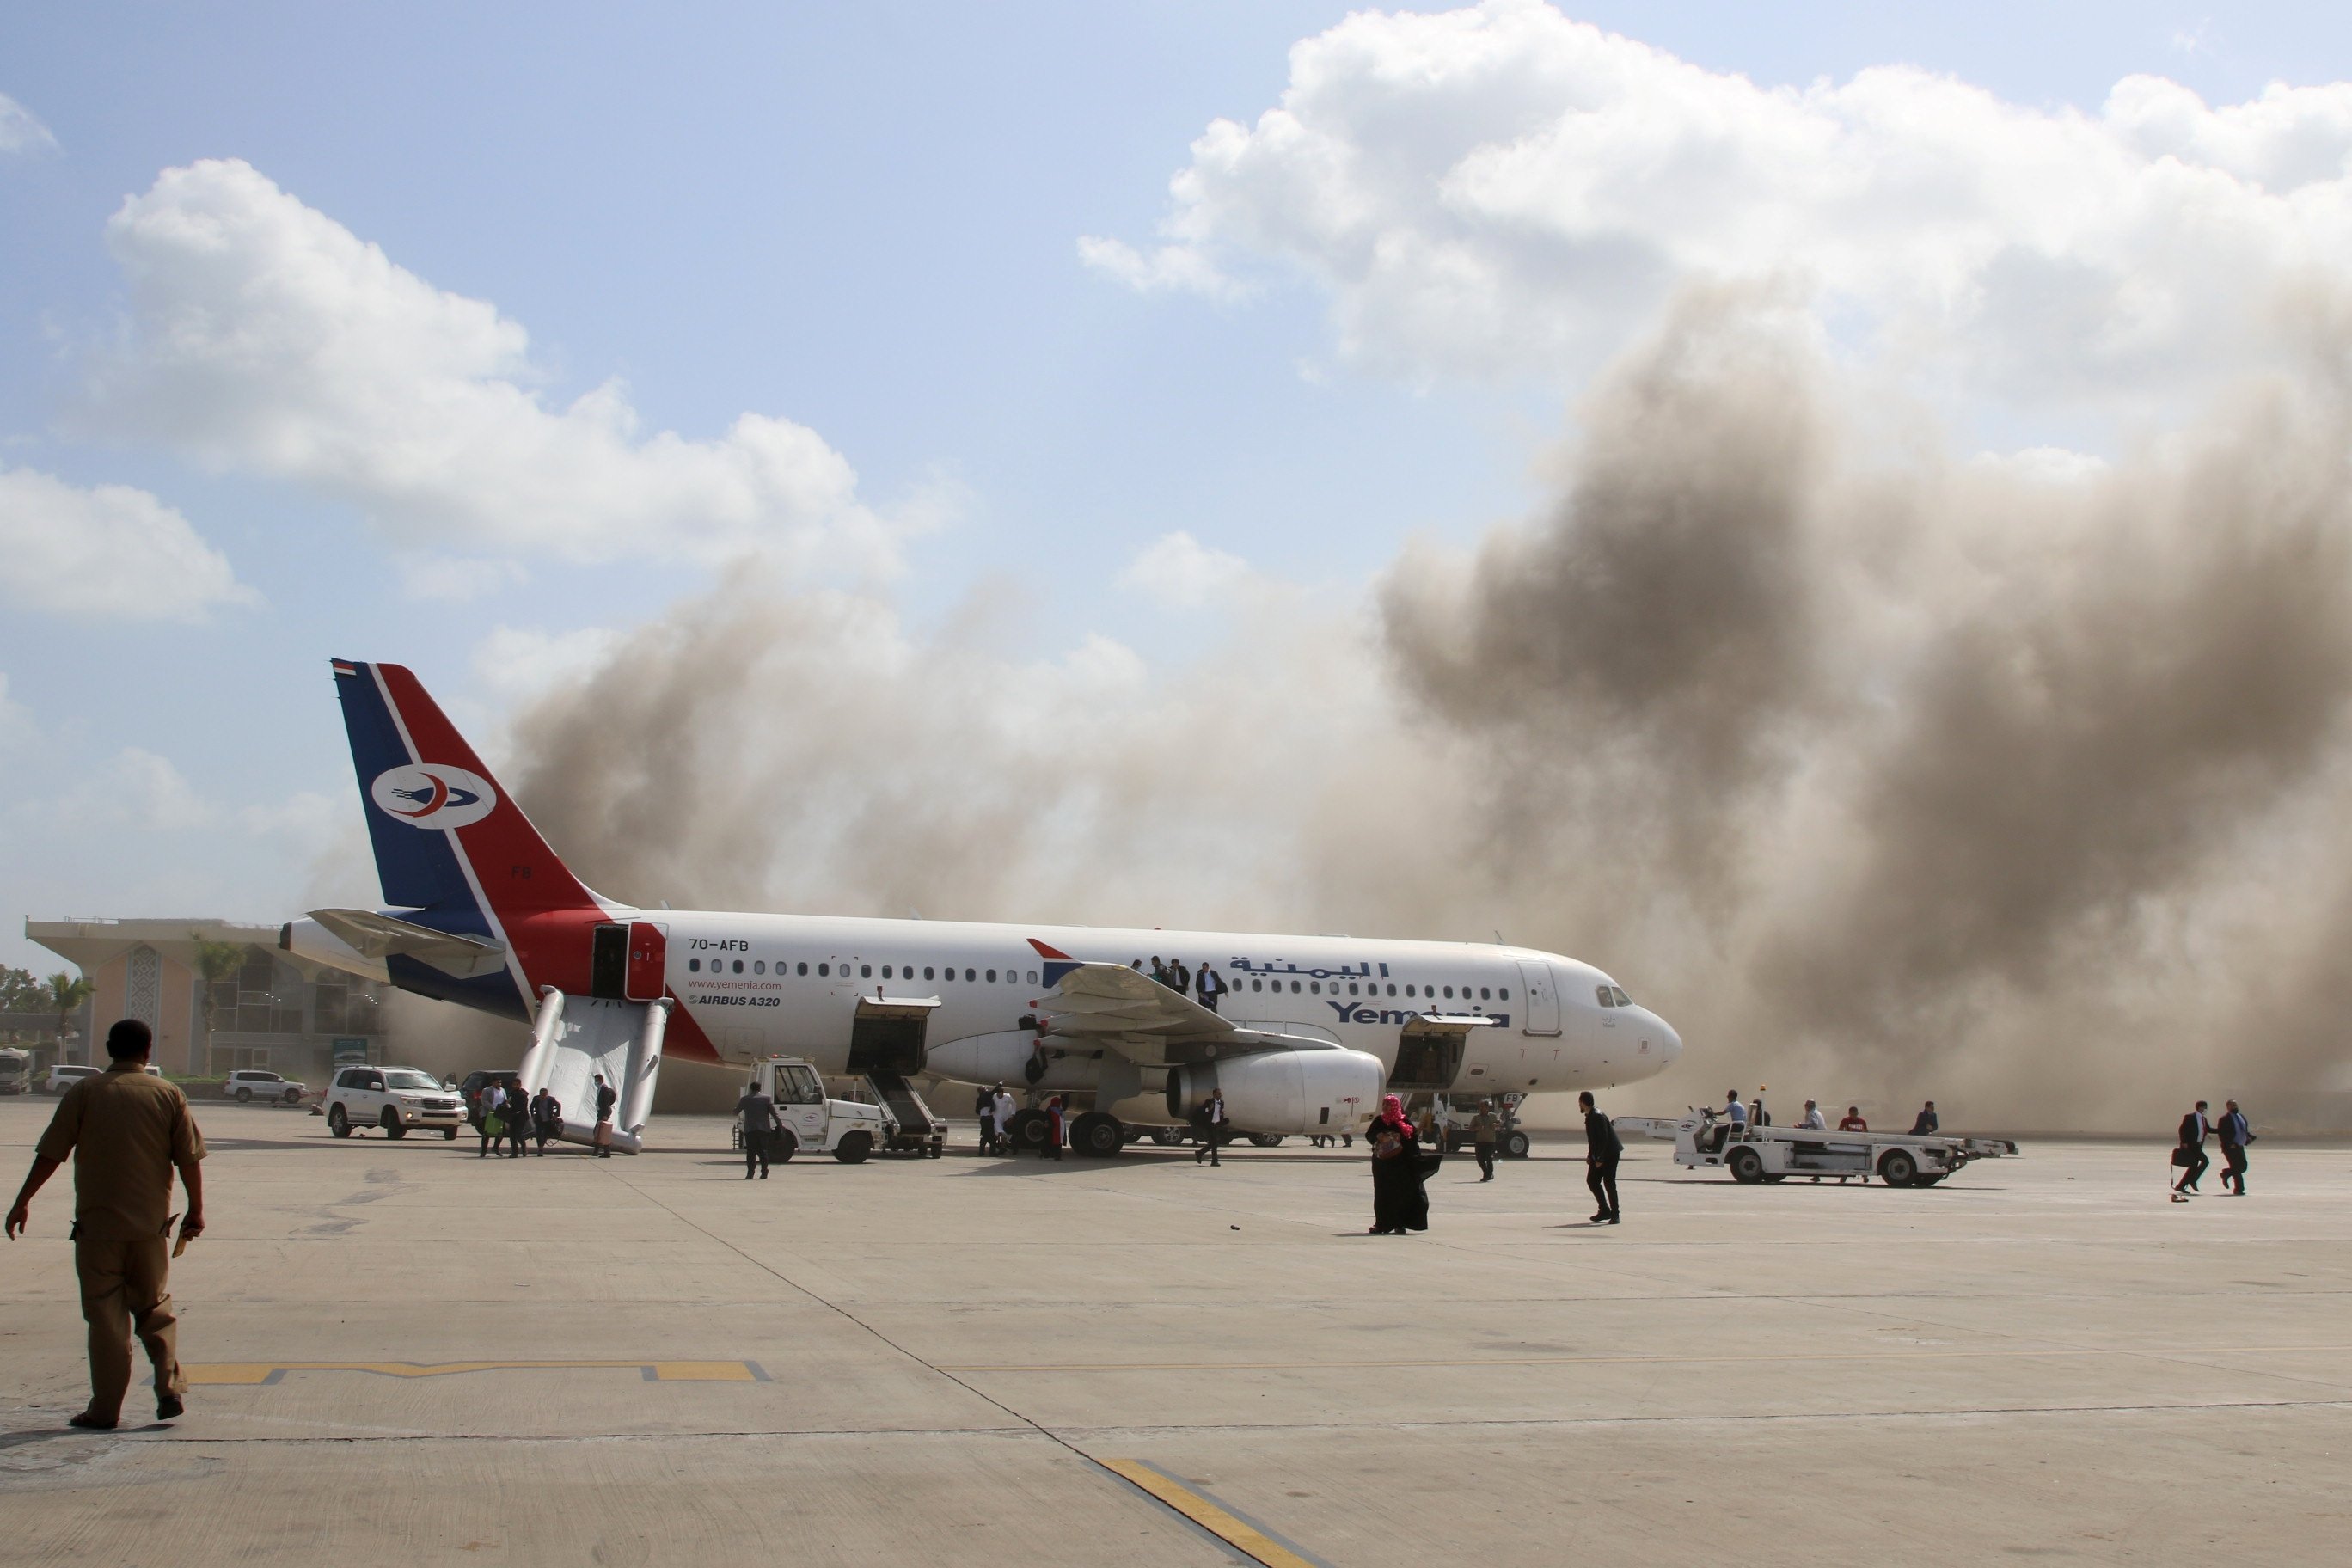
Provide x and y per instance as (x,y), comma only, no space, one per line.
(64,1075)
(248,1084)
(393,1099)
(15,1070)
(470,1089)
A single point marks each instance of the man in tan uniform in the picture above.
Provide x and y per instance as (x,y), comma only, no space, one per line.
(127,1130)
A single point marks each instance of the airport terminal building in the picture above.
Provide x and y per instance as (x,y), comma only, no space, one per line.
(274,1012)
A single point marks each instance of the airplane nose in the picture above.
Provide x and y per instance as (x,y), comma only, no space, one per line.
(1670,1043)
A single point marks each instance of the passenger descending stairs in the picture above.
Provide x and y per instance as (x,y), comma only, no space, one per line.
(576,1038)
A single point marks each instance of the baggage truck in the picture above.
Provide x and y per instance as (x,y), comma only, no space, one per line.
(1767,1154)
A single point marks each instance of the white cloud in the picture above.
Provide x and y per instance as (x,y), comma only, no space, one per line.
(456,579)
(106,552)
(265,338)
(21,130)
(516,665)
(1181,268)
(17,730)
(306,824)
(137,790)
(1182,574)
(1501,191)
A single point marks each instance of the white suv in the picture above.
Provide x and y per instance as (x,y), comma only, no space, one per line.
(248,1084)
(394,1098)
(64,1075)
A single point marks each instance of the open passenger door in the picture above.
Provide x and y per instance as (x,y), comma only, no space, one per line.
(1429,1049)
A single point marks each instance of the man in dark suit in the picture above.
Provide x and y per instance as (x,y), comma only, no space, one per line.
(1926,1121)
(1601,1149)
(2193,1130)
(2236,1136)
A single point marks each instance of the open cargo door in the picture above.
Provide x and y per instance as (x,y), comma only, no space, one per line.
(889,1034)
(576,1038)
(1429,1049)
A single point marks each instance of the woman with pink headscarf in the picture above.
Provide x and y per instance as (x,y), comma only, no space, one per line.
(1399,1203)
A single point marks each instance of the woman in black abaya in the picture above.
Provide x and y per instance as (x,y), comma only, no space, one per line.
(1399,1203)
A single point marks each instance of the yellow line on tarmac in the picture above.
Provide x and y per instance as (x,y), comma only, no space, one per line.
(2154,1350)
(1238,1534)
(257,1373)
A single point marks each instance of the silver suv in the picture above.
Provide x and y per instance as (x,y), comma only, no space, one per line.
(394,1098)
(248,1084)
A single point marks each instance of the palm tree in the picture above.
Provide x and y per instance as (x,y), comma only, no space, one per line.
(216,962)
(66,993)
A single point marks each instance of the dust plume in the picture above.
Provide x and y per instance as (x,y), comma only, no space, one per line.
(2018,784)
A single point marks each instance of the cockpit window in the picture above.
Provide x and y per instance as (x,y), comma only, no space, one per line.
(1620,998)
(1603,993)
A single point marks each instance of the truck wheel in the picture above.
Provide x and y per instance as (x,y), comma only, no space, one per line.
(853,1148)
(782,1146)
(245,1097)
(1898,1169)
(1098,1136)
(293,1097)
(337,1122)
(391,1124)
(1515,1146)
(1745,1167)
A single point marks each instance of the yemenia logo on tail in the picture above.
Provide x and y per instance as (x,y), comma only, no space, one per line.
(430,794)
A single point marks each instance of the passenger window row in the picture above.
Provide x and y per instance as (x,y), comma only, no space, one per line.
(864,971)
(1372,988)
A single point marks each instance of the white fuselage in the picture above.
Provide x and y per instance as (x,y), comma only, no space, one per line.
(759,985)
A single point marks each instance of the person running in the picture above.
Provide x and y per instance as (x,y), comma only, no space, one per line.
(1400,1199)
(1005,1113)
(1212,1128)
(2236,1136)
(493,1127)
(1602,1149)
(2189,1156)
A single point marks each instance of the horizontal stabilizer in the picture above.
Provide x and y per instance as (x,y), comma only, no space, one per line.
(381,936)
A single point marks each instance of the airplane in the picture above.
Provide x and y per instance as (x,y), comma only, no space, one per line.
(1312,1030)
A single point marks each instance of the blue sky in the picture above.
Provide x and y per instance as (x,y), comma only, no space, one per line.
(865,220)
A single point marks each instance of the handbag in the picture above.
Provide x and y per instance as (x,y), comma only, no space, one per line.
(2180,1156)
(494,1126)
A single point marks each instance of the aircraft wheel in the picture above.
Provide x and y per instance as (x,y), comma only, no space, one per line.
(782,1146)
(1098,1136)
(391,1124)
(1168,1137)
(1266,1139)
(337,1122)
(1515,1146)
(1746,1165)
(1898,1168)
(853,1148)
(1029,1130)
(245,1097)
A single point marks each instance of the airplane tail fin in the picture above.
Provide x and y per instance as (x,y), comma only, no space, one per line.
(447,839)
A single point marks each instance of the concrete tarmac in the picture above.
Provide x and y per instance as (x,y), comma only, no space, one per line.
(407,1354)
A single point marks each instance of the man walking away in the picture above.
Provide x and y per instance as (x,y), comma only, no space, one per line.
(1926,1122)
(127,1130)
(759,1114)
(2190,1155)
(1482,1138)
(546,1118)
(1601,1149)
(1851,1121)
(1213,1129)
(1210,985)
(606,1099)
(1811,1122)
(983,1107)
(2236,1136)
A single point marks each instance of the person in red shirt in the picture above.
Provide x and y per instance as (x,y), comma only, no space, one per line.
(1851,1121)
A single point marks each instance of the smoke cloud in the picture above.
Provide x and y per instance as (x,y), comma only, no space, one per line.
(1885,775)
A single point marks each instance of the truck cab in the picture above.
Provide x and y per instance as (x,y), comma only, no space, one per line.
(807,1118)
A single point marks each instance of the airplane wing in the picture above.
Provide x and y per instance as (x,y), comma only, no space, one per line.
(381,936)
(1104,999)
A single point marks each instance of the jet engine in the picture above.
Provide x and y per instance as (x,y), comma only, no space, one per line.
(1330,1091)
